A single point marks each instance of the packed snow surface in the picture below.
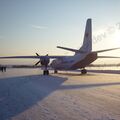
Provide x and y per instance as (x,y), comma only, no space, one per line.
(25,94)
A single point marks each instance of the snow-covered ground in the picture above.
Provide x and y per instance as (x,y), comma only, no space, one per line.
(27,95)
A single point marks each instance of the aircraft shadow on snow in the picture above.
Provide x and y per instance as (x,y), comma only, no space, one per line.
(18,94)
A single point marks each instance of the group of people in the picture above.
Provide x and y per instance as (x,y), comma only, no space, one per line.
(2,69)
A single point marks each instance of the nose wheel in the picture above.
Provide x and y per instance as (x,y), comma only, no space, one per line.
(46,72)
(83,71)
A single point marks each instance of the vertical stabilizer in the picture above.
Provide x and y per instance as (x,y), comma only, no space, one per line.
(87,42)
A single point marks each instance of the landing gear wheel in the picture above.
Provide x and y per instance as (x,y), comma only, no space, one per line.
(55,71)
(83,71)
(45,72)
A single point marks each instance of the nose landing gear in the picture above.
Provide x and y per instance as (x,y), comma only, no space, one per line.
(46,72)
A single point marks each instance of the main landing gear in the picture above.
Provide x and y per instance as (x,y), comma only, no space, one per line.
(83,71)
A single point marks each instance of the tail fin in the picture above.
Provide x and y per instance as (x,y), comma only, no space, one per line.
(87,43)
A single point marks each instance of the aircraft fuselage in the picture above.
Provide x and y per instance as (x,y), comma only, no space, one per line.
(74,62)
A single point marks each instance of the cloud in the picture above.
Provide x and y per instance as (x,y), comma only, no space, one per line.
(39,27)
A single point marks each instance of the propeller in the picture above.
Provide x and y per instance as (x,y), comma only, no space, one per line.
(37,54)
(38,61)
(44,61)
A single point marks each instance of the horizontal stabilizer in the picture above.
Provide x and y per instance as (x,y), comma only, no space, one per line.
(70,49)
(99,51)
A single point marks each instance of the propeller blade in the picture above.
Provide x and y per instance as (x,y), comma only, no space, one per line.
(37,63)
(37,54)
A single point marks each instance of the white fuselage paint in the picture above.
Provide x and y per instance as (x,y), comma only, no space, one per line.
(74,62)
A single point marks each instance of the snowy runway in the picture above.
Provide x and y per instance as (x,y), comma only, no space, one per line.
(26,95)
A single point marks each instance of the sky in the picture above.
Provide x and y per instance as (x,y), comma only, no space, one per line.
(30,26)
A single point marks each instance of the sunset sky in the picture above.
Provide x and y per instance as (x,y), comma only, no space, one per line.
(30,26)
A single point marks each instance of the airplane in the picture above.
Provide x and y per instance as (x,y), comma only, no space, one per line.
(82,57)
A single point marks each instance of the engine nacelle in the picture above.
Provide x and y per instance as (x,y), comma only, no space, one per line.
(55,63)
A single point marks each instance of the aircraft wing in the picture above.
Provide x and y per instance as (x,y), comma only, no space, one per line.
(104,65)
(26,66)
(31,57)
(107,57)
